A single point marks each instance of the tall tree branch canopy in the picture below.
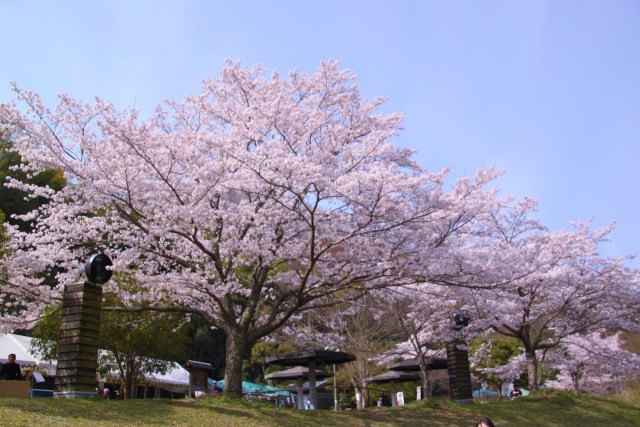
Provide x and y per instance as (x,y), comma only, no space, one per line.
(265,196)
(244,203)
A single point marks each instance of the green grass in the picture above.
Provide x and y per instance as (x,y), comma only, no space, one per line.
(553,409)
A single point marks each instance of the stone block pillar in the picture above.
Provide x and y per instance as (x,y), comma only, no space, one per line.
(76,374)
(459,372)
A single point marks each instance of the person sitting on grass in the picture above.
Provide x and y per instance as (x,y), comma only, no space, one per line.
(515,393)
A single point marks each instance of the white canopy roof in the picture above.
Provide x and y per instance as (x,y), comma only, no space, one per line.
(176,375)
(27,357)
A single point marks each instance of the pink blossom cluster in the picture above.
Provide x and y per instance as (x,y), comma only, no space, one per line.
(266,195)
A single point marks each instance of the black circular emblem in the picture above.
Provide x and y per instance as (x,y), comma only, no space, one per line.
(96,269)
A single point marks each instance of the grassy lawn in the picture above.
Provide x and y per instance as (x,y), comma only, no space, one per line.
(558,409)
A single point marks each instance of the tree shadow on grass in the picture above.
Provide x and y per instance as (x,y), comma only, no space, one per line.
(88,412)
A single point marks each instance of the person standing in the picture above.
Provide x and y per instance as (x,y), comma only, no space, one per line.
(11,370)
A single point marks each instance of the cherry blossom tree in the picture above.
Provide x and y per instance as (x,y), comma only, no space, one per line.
(362,327)
(3,249)
(496,361)
(243,204)
(423,312)
(554,285)
(593,363)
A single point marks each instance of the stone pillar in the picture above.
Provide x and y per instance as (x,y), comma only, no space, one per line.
(78,348)
(459,372)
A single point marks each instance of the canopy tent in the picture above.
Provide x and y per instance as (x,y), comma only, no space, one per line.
(176,375)
(484,394)
(25,355)
(277,391)
(255,388)
(247,386)
(176,378)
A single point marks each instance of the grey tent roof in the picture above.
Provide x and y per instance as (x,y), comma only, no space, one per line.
(414,366)
(392,376)
(200,365)
(294,373)
(303,357)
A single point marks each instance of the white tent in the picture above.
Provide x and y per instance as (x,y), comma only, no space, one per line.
(25,355)
(175,377)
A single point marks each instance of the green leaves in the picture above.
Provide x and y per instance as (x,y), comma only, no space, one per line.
(17,202)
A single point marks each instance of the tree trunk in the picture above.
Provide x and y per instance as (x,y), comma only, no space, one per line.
(426,380)
(365,396)
(236,346)
(575,379)
(128,385)
(362,394)
(532,369)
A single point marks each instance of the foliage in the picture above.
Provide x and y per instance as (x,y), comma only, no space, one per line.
(4,250)
(424,314)
(140,343)
(555,285)
(363,328)
(630,395)
(264,198)
(14,201)
(206,344)
(244,204)
(137,343)
(260,352)
(493,353)
(46,333)
(595,363)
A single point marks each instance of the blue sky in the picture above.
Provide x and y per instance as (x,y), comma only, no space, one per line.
(547,90)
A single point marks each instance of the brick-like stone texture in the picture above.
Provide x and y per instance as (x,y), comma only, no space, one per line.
(79,335)
(459,372)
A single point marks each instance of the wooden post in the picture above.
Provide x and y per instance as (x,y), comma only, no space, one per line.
(78,348)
